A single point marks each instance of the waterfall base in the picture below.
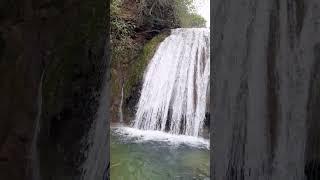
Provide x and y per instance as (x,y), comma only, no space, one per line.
(139,154)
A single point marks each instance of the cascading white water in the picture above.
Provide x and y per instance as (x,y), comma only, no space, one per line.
(120,107)
(176,84)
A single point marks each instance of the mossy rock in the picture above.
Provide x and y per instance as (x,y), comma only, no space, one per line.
(137,69)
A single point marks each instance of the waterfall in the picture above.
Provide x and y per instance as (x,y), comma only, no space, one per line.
(176,81)
(120,107)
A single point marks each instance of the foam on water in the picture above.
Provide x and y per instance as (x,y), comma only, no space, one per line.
(139,136)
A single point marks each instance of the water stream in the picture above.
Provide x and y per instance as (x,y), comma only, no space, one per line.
(120,107)
(166,138)
(175,88)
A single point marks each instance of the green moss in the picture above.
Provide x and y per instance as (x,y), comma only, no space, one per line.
(115,86)
(136,70)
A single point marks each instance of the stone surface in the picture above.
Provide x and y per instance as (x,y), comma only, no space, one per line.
(65,41)
(265,90)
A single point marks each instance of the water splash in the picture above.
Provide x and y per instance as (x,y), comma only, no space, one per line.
(176,84)
(134,135)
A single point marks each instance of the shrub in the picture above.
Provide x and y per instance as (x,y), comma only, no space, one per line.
(186,15)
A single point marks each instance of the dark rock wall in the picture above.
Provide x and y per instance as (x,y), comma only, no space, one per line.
(67,41)
(265,94)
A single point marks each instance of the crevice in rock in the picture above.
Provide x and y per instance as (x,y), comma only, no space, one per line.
(272,77)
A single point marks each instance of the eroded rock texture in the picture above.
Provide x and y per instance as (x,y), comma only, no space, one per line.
(265,66)
(53,62)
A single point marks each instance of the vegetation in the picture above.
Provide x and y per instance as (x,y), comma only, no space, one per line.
(130,55)
(138,67)
(185,13)
(123,46)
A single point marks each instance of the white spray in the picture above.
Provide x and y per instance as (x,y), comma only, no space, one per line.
(175,88)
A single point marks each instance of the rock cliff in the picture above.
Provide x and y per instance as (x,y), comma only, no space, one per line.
(137,29)
(53,61)
(265,57)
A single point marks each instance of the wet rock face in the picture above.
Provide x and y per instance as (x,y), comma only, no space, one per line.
(21,63)
(131,103)
(312,166)
(207,120)
(266,89)
(65,41)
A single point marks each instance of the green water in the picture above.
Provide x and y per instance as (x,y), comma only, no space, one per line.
(156,160)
